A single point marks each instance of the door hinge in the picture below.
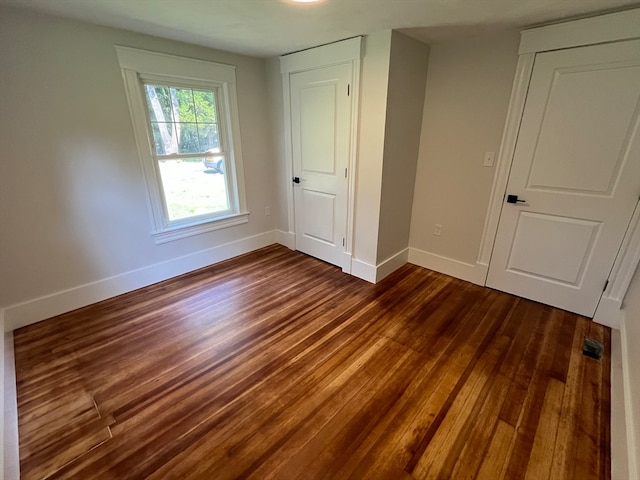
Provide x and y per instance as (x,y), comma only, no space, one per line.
(345,173)
(343,241)
(348,89)
(606,284)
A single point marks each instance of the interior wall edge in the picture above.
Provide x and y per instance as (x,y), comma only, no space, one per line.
(35,310)
(391,264)
(363,270)
(375,273)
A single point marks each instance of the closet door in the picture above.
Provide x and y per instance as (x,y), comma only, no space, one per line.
(575,177)
(321,132)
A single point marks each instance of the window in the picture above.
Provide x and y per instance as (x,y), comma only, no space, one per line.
(185,120)
(187,148)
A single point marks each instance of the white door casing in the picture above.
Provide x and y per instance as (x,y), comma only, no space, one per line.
(320,133)
(577,166)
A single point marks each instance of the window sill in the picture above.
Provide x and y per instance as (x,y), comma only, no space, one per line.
(183,231)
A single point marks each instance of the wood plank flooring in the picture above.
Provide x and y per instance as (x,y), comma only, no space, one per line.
(274,365)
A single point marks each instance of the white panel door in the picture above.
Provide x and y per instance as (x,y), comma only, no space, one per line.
(320,126)
(576,175)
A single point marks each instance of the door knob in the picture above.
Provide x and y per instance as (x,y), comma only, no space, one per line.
(296,179)
(514,199)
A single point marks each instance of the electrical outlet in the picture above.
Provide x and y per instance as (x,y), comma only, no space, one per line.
(437,230)
(489,157)
(267,211)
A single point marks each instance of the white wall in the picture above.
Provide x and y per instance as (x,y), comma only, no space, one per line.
(372,132)
(73,203)
(374,80)
(276,120)
(467,95)
(393,72)
(631,373)
(405,100)
(73,206)
(373,104)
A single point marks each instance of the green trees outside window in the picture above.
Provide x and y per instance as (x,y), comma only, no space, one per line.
(183,120)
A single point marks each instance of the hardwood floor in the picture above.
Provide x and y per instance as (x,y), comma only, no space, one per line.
(276,365)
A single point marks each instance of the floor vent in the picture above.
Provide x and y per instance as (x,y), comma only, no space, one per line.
(592,348)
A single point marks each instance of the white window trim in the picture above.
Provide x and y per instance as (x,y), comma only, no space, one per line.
(142,64)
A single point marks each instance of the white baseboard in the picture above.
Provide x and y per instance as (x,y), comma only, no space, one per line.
(375,273)
(10,465)
(608,312)
(474,273)
(391,264)
(619,454)
(38,309)
(363,270)
(346,263)
(352,266)
(633,445)
(288,239)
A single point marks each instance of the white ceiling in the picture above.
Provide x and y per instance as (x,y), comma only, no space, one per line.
(273,27)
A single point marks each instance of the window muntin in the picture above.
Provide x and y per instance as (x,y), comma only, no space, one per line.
(183,120)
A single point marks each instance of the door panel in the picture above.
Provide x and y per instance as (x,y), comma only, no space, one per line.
(552,248)
(317,129)
(319,218)
(577,166)
(594,137)
(320,126)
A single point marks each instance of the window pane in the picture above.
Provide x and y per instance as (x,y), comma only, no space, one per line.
(182,120)
(182,103)
(214,164)
(205,106)
(188,135)
(159,103)
(164,138)
(209,138)
(192,188)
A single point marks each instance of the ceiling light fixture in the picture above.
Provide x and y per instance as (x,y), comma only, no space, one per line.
(305,1)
